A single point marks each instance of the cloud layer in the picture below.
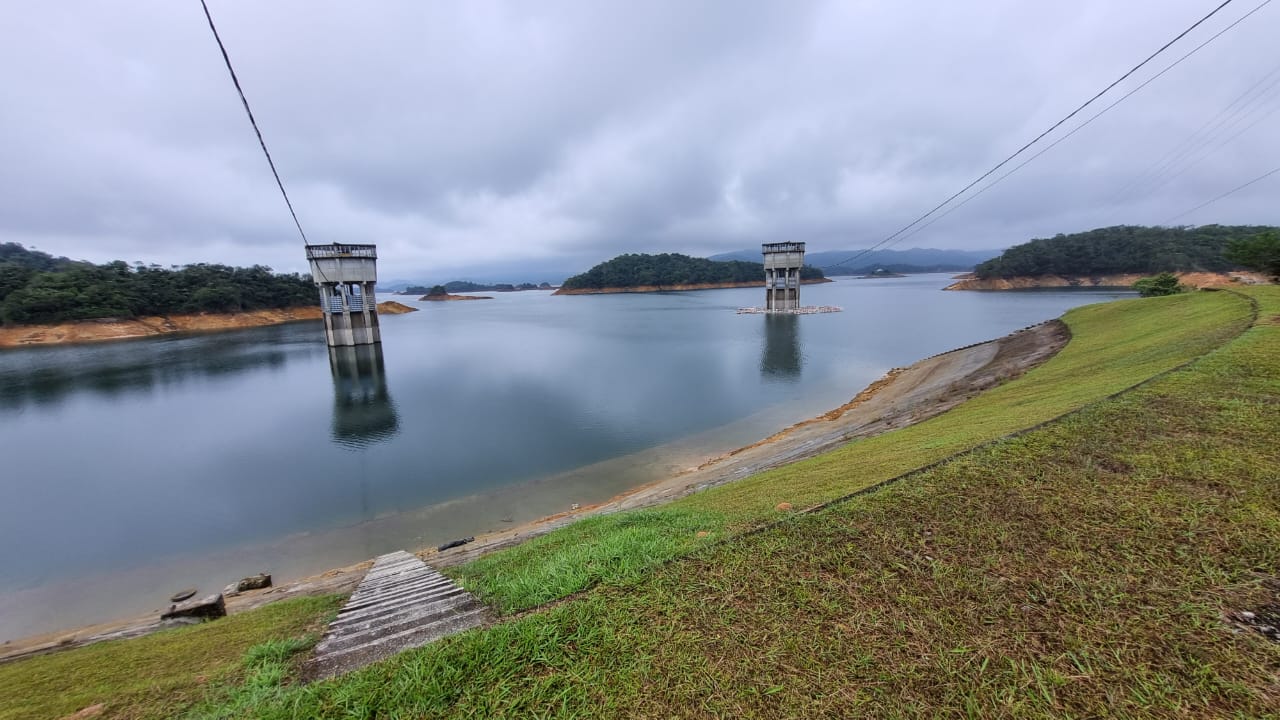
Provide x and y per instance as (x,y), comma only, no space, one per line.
(558,134)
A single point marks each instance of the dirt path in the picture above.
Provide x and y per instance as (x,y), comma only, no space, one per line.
(904,396)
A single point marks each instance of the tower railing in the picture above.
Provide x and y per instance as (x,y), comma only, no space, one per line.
(321,252)
(783,247)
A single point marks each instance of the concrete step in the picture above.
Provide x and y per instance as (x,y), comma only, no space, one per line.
(410,601)
(394,604)
(402,603)
(396,593)
(360,635)
(402,587)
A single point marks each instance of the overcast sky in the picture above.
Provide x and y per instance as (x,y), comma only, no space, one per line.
(534,135)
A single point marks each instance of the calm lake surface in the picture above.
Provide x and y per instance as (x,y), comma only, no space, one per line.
(133,469)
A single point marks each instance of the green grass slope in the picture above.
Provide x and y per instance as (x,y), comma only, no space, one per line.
(154,676)
(1087,568)
(1114,346)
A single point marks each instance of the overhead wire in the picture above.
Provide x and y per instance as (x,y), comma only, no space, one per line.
(1086,123)
(890,238)
(1226,194)
(1202,151)
(252,121)
(1194,141)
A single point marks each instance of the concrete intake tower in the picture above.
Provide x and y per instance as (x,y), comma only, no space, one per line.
(346,276)
(782,263)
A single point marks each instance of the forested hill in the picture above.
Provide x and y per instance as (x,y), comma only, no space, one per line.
(38,288)
(668,269)
(1121,249)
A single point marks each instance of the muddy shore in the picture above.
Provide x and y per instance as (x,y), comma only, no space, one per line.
(87,331)
(902,397)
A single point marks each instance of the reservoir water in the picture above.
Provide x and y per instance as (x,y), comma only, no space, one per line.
(133,469)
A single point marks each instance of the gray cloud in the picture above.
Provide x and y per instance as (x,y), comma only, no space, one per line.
(559,134)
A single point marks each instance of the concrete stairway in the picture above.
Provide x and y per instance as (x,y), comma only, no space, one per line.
(402,603)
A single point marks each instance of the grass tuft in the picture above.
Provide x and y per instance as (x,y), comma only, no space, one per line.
(617,548)
(158,675)
(267,666)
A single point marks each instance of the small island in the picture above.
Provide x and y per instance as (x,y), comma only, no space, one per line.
(879,273)
(439,293)
(457,286)
(667,272)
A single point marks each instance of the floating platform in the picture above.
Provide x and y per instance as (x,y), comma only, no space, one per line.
(402,603)
(808,310)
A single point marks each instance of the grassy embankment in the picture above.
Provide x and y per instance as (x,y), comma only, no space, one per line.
(1079,568)
(1114,346)
(160,675)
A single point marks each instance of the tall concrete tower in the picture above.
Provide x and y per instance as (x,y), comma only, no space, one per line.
(346,275)
(782,263)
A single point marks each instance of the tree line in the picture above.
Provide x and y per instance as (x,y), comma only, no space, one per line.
(638,269)
(36,287)
(1124,249)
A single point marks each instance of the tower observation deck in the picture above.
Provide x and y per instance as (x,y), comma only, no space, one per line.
(346,276)
(782,263)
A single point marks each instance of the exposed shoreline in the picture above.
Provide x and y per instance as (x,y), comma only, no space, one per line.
(674,288)
(967,281)
(106,329)
(904,396)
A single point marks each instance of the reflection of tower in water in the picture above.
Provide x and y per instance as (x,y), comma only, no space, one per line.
(781,359)
(363,413)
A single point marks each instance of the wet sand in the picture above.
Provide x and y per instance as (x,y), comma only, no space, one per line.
(902,397)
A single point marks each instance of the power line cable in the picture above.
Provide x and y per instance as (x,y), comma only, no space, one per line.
(1022,149)
(1171,174)
(1194,142)
(1084,124)
(1232,191)
(227,59)
(1211,126)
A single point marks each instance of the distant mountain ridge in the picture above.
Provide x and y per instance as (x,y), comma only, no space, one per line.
(902,261)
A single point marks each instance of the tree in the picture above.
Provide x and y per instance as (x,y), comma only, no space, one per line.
(437,291)
(13,277)
(1158,285)
(218,298)
(1260,252)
